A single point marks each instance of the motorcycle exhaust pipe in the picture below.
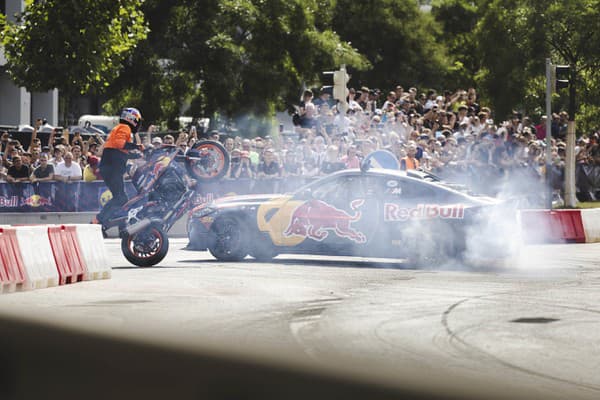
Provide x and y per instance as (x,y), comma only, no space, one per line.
(138,226)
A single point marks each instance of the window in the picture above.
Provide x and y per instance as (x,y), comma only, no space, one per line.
(393,188)
(343,188)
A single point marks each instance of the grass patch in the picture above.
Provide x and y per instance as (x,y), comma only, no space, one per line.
(589,204)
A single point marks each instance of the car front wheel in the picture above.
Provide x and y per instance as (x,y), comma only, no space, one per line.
(230,238)
(263,251)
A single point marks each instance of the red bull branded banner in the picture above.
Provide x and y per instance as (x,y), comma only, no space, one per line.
(51,196)
(91,196)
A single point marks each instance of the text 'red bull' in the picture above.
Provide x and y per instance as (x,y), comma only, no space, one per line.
(393,212)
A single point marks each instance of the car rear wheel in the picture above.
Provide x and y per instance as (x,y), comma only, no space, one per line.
(230,239)
(436,247)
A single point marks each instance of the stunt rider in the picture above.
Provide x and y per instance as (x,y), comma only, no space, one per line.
(117,150)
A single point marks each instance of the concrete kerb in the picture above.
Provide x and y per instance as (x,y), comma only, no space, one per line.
(177,231)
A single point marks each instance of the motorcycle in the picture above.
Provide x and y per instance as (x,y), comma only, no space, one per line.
(166,189)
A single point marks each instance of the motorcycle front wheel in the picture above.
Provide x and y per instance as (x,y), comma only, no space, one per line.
(145,248)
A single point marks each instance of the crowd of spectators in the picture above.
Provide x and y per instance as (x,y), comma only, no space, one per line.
(449,134)
(64,158)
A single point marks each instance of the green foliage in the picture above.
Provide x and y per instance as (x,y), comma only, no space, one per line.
(504,48)
(457,19)
(244,56)
(75,46)
(242,60)
(397,39)
(515,37)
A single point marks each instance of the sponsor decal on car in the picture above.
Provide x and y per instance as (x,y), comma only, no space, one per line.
(314,219)
(161,164)
(273,216)
(394,212)
(207,221)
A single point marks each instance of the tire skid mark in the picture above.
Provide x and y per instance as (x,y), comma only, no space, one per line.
(454,337)
(305,321)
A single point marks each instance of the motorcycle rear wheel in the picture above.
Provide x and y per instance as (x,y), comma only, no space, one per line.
(145,248)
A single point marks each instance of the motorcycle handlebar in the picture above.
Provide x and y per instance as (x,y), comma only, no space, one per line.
(180,157)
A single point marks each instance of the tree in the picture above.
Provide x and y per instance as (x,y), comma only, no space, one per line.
(398,40)
(572,36)
(76,46)
(457,19)
(238,57)
(515,37)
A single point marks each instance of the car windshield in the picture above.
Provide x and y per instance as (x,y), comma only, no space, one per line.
(321,186)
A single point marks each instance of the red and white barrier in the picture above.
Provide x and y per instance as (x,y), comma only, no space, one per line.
(552,226)
(37,256)
(93,252)
(561,226)
(33,257)
(591,224)
(12,268)
(67,253)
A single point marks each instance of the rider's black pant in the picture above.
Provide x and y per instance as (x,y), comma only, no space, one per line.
(112,168)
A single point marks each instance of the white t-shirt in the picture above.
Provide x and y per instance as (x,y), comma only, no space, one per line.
(342,123)
(73,170)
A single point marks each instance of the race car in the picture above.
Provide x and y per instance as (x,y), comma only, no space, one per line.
(367,213)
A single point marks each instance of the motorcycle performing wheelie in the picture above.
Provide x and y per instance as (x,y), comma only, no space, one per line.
(166,186)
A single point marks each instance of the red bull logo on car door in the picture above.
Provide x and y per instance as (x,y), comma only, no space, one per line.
(394,212)
(316,219)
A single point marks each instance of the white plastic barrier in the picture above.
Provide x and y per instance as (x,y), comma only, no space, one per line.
(91,244)
(591,224)
(37,256)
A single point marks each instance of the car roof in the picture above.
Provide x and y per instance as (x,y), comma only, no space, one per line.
(418,177)
(412,175)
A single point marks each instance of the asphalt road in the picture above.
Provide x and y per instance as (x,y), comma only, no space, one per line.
(532,328)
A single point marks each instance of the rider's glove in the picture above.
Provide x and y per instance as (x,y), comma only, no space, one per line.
(135,154)
(131,146)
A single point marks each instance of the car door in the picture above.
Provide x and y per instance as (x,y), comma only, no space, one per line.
(411,211)
(320,218)
(342,214)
